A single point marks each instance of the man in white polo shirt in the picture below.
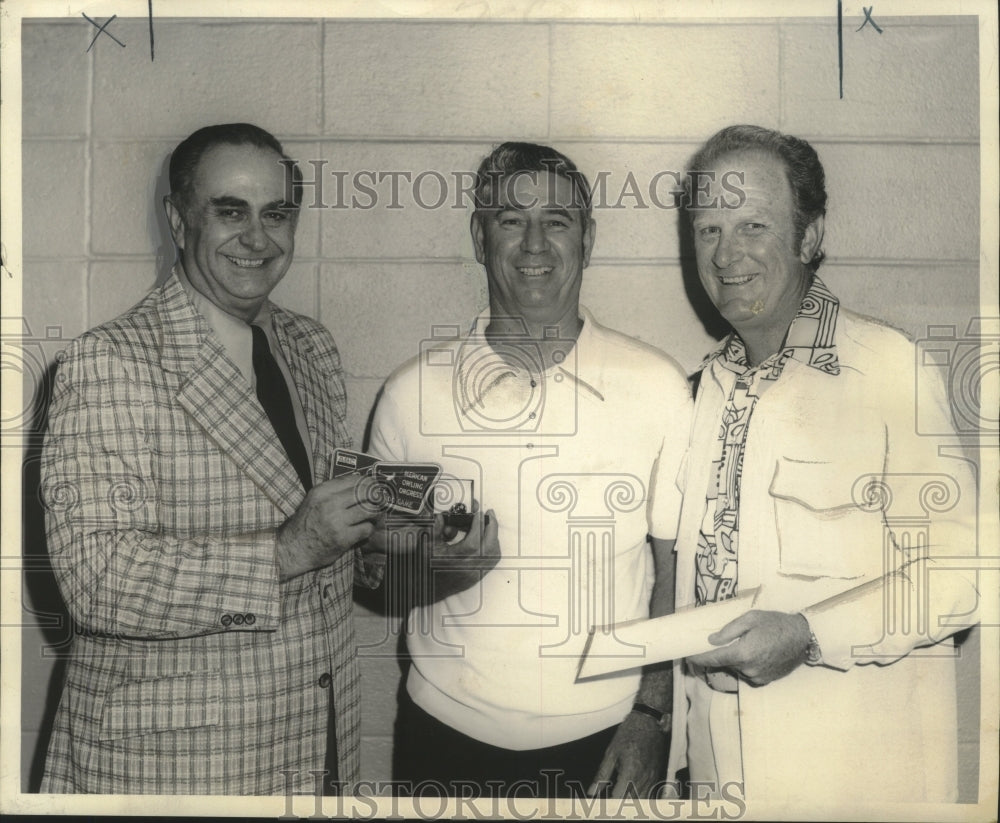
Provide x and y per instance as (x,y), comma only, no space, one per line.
(572,434)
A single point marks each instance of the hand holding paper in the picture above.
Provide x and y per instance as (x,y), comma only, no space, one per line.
(760,646)
(682,634)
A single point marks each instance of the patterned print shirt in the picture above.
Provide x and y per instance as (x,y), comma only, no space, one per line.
(810,341)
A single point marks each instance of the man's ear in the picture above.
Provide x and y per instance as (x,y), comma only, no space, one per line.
(176,221)
(812,239)
(478,238)
(589,236)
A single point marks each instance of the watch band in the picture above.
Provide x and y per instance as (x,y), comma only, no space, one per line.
(662,719)
(642,708)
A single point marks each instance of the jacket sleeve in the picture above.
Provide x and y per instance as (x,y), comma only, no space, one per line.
(927,499)
(119,568)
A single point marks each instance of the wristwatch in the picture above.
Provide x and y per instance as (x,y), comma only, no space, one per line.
(813,654)
(663,719)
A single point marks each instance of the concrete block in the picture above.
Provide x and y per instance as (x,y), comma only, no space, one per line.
(662,80)
(652,304)
(298,290)
(55,78)
(53,298)
(379,312)
(633,205)
(905,202)
(379,682)
(376,760)
(115,286)
(909,297)
(307,233)
(265,72)
(437,79)
(909,81)
(129,183)
(379,634)
(53,175)
(416,208)
(52,313)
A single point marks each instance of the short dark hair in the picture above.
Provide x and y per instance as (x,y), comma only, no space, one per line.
(513,158)
(802,167)
(185,158)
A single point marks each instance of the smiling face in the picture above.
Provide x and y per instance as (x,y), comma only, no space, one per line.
(237,234)
(749,260)
(535,247)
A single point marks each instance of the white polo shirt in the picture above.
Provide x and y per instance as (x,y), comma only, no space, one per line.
(578,462)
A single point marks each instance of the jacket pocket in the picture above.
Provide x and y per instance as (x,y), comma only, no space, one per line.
(822,531)
(181,701)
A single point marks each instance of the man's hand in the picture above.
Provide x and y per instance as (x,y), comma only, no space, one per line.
(763,646)
(637,755)
(331,520)
(403,535)
(455,567)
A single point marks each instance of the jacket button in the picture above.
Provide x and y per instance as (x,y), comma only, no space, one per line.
(324,680)
(327,591)
(227,620)
(237,619)
(251,618)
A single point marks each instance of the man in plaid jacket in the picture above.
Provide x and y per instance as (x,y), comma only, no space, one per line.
(211,587)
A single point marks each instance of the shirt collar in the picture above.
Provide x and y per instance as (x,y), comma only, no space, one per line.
(232,332)
(810,338)
(578,365)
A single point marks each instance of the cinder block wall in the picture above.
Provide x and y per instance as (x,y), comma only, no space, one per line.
(901,151)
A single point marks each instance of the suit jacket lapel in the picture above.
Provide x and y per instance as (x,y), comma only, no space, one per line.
(313,386)
(213,391)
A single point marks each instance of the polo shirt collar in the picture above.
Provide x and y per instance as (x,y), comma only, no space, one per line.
(583,365)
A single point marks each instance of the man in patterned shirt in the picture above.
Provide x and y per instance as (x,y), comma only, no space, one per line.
(200,546)
(803,432)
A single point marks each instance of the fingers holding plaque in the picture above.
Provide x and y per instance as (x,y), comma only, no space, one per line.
(401,488)
(453,498)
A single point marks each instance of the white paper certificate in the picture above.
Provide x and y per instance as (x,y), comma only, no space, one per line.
(684,633)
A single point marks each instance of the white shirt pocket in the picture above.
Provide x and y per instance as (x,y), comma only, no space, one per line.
(823,530)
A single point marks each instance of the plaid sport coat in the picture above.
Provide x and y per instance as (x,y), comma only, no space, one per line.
(193,670)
